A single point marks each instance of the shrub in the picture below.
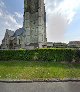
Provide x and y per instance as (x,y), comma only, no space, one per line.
(68,55)
(40,55)
(77,55)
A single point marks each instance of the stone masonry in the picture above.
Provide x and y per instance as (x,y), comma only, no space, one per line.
(33,33)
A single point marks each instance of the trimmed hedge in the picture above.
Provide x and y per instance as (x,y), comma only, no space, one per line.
(56,55)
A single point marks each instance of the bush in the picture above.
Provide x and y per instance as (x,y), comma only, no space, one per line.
(77,56)
(56,55)
(68,55)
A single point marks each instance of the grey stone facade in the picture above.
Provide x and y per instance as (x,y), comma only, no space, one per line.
(74,44)
(13,40)
(35,22)
(33,33)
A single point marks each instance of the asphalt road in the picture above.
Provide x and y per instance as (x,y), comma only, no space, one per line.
(41,87)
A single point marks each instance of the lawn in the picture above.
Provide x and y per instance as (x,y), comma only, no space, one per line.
(38,70)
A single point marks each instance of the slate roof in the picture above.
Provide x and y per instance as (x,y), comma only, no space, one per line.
(19,31)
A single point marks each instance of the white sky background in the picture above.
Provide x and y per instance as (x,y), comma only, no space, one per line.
(60,14)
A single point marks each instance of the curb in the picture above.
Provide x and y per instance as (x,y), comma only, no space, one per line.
(31,81)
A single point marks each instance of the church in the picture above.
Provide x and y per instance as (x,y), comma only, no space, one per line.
(33,33)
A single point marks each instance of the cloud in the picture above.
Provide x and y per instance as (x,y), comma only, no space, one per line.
(2,4)
(56,28)
(8,20)
(60,13)
(19,15)
(12,21)
(67,8)
(0,14)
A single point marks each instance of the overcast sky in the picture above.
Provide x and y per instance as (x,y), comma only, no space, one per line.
(63,18)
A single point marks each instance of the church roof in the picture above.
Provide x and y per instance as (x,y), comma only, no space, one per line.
(19,31)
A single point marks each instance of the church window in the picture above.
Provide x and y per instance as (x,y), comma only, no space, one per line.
(42,37)
(19,41)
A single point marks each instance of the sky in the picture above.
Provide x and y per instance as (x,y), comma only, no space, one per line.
(63,18)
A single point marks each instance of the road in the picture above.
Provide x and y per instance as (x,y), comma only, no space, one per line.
(41,87)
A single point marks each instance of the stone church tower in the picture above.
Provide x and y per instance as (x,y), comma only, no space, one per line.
(35,23)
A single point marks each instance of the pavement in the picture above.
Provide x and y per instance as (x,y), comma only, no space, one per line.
(40,87)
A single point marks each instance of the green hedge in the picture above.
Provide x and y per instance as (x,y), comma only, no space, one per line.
(56,55)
